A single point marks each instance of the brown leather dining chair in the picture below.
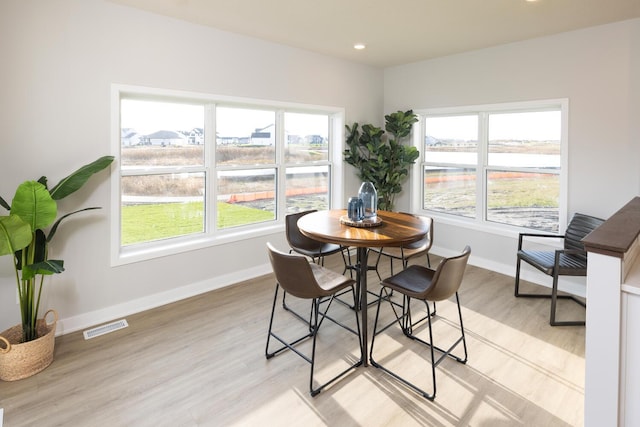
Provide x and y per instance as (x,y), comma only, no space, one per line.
(307,246)
(425,284)
(305,280)
(407,252)
(313,249)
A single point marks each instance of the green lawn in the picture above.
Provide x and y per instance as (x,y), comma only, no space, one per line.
(143,223)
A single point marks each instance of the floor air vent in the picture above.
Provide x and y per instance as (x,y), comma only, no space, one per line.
(105,329)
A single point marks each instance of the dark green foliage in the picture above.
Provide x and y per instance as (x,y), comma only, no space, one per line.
(381,159)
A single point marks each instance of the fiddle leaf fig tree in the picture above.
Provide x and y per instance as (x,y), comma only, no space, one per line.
(23,235)
(383,159)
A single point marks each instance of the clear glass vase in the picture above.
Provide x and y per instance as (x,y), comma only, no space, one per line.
(369,197)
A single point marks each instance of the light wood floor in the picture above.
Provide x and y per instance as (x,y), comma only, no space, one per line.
(200,362)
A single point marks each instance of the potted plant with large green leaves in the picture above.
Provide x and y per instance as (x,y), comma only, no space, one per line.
(25,234)
(381,159)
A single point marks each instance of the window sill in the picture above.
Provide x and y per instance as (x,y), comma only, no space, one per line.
(148,251)
(475,225)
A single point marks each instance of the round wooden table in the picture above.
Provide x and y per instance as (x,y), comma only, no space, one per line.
(395,229)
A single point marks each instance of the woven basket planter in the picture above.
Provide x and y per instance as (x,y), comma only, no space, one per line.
(20,360)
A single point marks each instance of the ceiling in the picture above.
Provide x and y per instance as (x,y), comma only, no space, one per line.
(395,31)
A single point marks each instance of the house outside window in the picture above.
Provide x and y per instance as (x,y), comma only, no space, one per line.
(496,165)
(198,170)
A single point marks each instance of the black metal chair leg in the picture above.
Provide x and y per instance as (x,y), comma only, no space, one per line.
(317,314)
(270,354)
(404,320)
(378,262)
(404,325)
(317,318)
(516,291)
(554,302)
(464,339)
(553,296)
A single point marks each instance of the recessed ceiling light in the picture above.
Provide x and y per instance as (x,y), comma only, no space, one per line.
(359,46)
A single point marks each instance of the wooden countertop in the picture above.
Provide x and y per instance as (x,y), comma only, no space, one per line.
(616,236)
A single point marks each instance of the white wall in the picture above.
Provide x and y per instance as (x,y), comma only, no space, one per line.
(58,60)
(597,69)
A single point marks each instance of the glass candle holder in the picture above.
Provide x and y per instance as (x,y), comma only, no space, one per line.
(369,197)
(355,209)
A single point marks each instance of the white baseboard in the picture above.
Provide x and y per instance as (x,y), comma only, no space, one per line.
(107,314)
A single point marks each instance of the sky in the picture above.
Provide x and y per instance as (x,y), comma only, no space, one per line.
(539,125)
(149,116)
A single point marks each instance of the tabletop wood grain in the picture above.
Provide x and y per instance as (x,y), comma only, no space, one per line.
(397,229)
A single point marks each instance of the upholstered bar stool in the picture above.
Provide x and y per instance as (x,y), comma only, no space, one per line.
(425,284)
(302,279)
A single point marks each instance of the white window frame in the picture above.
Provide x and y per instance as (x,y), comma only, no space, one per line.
(211,237)
(480,223)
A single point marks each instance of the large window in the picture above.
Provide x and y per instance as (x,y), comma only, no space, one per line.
(202,169)
(499,164)
(163,174)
